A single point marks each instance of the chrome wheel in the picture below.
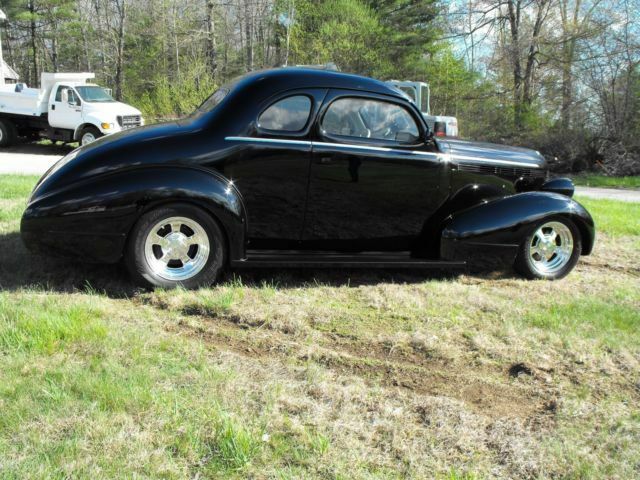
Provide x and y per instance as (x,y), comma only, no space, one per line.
(177,248)
(87,138)
(551,248)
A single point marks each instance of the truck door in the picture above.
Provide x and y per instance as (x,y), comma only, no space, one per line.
(65,110)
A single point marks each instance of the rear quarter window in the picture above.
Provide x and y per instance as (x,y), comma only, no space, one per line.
(288,115)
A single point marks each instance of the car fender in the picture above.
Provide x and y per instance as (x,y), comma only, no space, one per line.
(107,207)
(505,221)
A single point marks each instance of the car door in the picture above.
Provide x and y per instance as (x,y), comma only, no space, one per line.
(66,109)
(375,179)
(270,168)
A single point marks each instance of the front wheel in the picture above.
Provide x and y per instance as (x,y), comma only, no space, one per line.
(550,251)
(176,245)
(89,135)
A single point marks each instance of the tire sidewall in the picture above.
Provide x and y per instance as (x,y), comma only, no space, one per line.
(93,130)
(524,264)
(136,260)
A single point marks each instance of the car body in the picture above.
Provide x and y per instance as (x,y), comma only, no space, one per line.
(302,167)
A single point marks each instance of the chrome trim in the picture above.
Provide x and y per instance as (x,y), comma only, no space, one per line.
(268,140)
(443,157)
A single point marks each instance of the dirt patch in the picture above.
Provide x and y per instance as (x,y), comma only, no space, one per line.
(486,390)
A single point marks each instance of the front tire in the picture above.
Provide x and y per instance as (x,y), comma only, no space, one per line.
(176,245)
(550,251)
(89,135)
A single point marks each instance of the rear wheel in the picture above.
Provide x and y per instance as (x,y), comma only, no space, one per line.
(89,135)
(550,251)
(7,133)
(176,245)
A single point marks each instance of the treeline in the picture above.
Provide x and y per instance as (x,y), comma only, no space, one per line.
(562,76)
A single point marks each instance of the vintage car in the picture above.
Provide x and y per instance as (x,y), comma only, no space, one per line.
(298,167)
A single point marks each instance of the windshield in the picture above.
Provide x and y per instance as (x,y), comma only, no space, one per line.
(94,94)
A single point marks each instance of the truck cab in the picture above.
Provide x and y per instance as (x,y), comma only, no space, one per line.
(420,94)
(66,108)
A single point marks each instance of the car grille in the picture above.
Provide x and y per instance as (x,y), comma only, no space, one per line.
(511,172)
(129,121)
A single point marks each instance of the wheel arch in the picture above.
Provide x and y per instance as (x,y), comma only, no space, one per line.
(80,128)
(503,222)
(94,217)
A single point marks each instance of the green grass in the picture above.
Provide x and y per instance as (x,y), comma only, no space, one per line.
(612,217)
(592,180)
(320,374)
(16,186)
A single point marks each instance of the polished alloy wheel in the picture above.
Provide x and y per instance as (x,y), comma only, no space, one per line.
(551,248)
(88,138)
(177,248)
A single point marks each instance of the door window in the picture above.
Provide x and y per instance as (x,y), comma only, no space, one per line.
(372,119)
(289,114)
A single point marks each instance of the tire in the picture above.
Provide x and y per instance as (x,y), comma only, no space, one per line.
(550,250)
(89,135)
(8,133)
(161,253)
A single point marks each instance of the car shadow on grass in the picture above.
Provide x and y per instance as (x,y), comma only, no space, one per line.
(21,269)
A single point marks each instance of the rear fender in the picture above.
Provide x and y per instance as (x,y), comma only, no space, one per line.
(108,206)
(505,221)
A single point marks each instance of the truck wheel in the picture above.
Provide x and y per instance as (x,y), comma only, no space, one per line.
(550,251)
(7,133)
(89,135)
(176,245)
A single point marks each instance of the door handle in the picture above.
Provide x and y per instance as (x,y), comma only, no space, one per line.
(53,107)
(325,161)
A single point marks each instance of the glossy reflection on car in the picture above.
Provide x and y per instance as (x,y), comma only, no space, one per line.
(304,168)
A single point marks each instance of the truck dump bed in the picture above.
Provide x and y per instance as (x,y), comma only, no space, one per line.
(20,100)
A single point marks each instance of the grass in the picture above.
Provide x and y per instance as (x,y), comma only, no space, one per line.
(316,374)
(592,180)
(615,218)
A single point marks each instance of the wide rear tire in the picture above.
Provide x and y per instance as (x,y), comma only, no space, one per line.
(176,245)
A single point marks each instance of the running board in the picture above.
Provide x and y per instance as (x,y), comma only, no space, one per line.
(298,259)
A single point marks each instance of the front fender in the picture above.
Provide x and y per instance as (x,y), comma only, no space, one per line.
(505,221)
(94,217)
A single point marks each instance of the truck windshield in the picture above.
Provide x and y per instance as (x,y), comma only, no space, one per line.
(94,94)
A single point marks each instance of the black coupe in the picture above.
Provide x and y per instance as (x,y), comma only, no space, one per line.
(303,167)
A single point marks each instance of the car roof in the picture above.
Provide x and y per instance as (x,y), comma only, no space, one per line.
(290,78)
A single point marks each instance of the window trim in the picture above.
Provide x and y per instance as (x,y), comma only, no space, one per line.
(342,94)
(305,127)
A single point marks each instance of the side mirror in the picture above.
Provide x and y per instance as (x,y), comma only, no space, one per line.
(72,98)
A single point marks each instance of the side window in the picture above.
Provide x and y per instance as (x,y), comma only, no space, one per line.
(373,119)
(59,92)
(288,115)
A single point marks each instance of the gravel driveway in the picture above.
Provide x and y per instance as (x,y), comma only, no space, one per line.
(30,158)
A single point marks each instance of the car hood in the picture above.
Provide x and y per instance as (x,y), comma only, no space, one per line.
(112,108)
(461,150)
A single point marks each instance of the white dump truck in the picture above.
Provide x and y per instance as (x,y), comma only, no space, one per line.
(66,108)
(419,93)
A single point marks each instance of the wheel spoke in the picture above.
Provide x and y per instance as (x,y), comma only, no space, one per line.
(176,226)
(157,239)
(194,239)
(165,258)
